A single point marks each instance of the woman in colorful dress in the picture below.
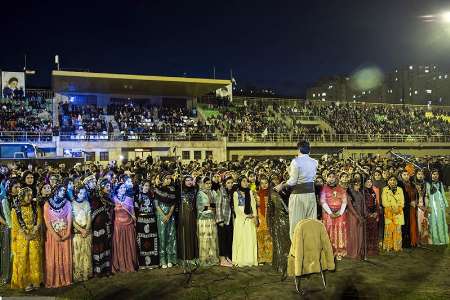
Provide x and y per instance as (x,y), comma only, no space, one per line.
(422,209)
(334,199)
(82,237)
(101,209)
(437,203)
(26,245)
(146,228)
(245,251)
(206,224)
(262,233)
(165,201)
(124,254)
(356,211)
(11,194)
(58,244)
(393,202)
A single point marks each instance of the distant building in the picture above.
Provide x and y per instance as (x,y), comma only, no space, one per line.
(413,84)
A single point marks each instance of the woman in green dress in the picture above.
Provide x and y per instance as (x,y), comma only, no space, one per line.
(437,203)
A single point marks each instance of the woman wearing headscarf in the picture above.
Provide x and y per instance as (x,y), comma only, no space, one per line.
(124,254)
(437,204)
(102,216)
(29,180)
(206,223)
(422,209)
(224,219)
(82,237)
(146,228)
(187,227)
(262,233)
(393,202)
(11,197)
(244,235)
(278,222)
(355,219)
(372,218)
(58,244)
(165,201)
(26,218)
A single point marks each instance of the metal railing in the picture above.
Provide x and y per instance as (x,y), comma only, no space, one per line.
(243,137)
(44,93)
(130,137)
(236,137)
(25,136)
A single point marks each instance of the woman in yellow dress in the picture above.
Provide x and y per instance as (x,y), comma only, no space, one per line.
(26,219)
(393,201)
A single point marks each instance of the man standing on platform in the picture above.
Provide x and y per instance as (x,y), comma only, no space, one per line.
(302,201)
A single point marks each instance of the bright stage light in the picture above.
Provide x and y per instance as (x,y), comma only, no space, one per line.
(446,17)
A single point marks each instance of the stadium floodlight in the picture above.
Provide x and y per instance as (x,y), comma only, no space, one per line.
(446,17)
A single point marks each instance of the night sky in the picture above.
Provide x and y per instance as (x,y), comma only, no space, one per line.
(278,44)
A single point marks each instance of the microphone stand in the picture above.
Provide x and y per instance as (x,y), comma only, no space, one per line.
(363,175)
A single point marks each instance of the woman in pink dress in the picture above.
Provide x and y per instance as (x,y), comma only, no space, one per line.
(58,245)
(124,252)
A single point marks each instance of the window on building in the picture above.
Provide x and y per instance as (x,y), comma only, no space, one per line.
(186,155)
(415,92)
(104,156)
(209,155)
(324,94)
(314,95)
(90,156)
(197,155)
(234,157)
(428,91)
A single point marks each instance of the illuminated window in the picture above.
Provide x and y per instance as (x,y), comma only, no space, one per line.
(104,156)
(324,94)
(427,71)
(354,96)
(428,91)
(446,76)
(396,79)
(440,77)
(314,95)
(411,67)
(415,92)
(330,87)
(186,155)
(364,92)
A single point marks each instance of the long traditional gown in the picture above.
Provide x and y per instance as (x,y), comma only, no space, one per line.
(372,218)
(207,229)
(335,198)
(27,264)
(393,202)
(378,186)
(409,230)
(265,246)
(165,199)
(356,211)
(245,251)
(278,222)
(124,254)
(5,242)
(187,228)
(101,234)
(147,231)
(437,203)
(58,255)
(82,246)
(422,213)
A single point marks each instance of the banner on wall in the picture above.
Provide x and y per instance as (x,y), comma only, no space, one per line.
(13,84)
(225,92)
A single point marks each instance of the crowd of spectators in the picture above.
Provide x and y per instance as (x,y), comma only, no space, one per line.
(146,120)
(25,114)
(88,119)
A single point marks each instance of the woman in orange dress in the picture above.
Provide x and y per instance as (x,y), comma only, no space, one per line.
(58,245)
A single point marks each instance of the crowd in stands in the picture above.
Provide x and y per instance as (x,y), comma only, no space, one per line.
(25,114)
(88,119)
(251,120)
(148,119)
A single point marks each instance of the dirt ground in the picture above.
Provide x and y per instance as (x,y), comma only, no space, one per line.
(411,274)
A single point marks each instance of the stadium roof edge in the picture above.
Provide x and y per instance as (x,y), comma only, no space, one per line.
(88,82)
